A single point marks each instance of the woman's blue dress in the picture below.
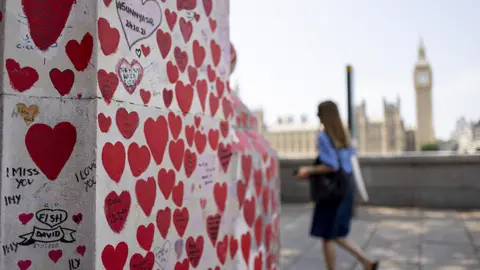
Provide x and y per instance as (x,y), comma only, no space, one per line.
(333,221)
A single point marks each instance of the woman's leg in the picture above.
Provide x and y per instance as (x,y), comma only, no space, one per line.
(356,251)
(329,253)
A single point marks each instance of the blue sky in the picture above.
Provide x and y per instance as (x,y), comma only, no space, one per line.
(292,54)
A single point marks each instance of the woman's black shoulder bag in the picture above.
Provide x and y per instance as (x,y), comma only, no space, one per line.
(329,188)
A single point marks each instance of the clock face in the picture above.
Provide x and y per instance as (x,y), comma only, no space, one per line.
(422,78)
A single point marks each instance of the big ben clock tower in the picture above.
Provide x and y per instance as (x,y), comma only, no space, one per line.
(423,87)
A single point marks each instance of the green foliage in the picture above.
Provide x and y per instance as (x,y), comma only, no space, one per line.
(429,147)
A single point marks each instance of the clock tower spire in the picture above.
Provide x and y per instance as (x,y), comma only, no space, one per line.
(423,88)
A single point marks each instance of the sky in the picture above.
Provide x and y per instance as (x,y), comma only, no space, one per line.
(293,54)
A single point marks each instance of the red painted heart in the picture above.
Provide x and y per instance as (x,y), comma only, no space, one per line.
(46,20)
(108,83)
(156,135)
(163,221)
(164,42)
(145,236)
(146,192)
(113,160)
(166,182)
(80,53)
(104,122)
(116,210)
(127,123)
(21,79)
(138,158)
(50,149)
(114,258)
(108,36)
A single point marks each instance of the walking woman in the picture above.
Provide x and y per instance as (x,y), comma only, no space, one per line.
(331,222)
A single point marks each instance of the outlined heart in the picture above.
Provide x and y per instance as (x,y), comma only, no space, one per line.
(114,258)
(108,36)
(51,217)
(50,149)
(21,79)
(127,123)
(80,53)
(116,210)
(113,160)
(146,192)
(46,20)
(137,28)
(156,135)
(164,217)
(130,74)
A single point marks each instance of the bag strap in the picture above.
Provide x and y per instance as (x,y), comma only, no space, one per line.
(336,151)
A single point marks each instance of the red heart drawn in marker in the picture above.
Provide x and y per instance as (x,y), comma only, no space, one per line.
(55,255)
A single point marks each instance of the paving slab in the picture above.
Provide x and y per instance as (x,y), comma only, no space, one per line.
(436,257)
(408,239)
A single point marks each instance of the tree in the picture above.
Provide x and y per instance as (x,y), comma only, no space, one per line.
(429,147)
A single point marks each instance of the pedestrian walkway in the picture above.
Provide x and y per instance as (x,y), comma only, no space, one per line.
(409,239)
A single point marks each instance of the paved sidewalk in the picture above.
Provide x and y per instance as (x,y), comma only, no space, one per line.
(407,239)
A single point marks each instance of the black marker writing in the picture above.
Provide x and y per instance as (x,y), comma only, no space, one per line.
(15,199)
(10,248)
(74,263)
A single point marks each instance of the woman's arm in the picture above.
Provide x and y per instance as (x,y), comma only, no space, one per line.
(320,169)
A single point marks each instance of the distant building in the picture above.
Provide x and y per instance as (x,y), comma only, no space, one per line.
(466,136)
(381,136)
(410,140)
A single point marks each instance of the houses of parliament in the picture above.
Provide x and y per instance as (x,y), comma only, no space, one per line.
(373,137)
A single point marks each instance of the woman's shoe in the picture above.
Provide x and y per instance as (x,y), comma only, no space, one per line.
(375,265)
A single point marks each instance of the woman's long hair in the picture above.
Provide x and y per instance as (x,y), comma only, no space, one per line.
(330,118)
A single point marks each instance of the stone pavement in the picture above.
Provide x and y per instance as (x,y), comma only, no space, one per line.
(410,239)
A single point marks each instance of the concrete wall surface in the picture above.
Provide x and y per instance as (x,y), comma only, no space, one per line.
(120,148)
(407,181)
